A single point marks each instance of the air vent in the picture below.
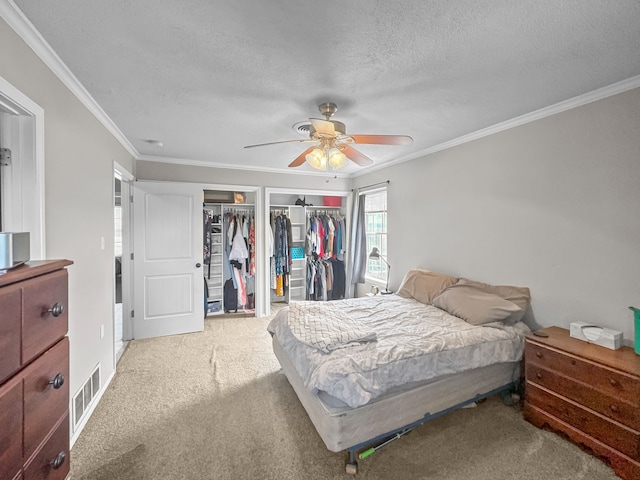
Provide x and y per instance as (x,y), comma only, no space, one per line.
(303,128)
(83,399)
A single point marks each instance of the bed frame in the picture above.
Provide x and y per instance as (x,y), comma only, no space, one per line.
(391,416)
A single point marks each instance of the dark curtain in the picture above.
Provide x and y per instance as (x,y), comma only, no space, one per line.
(357,260)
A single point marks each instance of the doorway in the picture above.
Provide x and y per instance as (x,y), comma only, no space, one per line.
(122,260)
(230,252)
(300,206)
(22,167)
(221,200)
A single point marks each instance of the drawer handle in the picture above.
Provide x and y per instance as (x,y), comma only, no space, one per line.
(613,408)
(58,461)
(56,310)
(539,354)
(538,375)
(613,382)
(57,381)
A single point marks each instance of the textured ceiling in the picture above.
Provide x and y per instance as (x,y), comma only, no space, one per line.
(211,76)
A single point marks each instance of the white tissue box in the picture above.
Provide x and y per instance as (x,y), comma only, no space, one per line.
(597,335)
(14,249)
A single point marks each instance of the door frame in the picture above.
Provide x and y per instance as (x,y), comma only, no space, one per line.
(268,191)
(126,180)
(26,172)
(261,301)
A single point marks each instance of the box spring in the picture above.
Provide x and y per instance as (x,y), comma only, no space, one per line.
(342,427)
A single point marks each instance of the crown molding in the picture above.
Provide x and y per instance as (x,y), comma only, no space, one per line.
(34,40)
(580,100)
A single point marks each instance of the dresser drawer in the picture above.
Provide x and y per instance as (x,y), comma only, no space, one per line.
(10,428)
(44,404)
(614,407)
(610,382)
(611,433)
(625,467)
(45,316)
(10,327)
(51,462)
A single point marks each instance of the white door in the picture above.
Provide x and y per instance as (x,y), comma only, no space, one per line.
(168,278)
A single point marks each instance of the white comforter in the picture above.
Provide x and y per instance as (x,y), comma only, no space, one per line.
(404,342)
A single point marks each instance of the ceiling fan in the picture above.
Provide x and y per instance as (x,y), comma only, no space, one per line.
(332,146)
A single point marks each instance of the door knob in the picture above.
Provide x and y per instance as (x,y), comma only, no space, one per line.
(58,461)
(198,265)
(57,381)
(56,310)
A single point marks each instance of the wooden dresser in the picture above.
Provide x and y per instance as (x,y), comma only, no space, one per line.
(34,372)
(590,394)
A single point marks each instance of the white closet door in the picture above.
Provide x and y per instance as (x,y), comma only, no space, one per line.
(168,275)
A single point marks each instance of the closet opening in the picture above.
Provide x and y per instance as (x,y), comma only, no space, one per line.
(230,252)
(306,246)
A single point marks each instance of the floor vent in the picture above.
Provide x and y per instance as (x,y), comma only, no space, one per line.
(83,399)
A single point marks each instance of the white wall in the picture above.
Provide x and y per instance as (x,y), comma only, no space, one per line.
(553,205)
(79,155)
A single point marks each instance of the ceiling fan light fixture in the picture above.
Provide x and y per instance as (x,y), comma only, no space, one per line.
(333,147)
(337,159)
(317,159)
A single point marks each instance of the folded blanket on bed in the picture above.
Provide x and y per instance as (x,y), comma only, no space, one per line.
(325,327)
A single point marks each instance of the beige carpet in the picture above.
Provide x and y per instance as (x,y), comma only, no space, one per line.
(214,405)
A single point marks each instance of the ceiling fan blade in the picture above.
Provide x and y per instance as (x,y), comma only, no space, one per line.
(383,139)
(323,127)
(357,157)
(276,143)
(301,158)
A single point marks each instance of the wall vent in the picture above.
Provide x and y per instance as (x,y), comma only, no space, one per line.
(84,398)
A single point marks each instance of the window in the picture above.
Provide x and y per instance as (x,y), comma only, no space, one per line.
(375,214)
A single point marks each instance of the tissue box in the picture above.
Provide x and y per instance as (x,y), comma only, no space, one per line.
(605,337)
(14,249)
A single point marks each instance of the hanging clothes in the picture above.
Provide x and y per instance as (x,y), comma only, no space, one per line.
(325,278)
(281,260)
(325,236)
(206,229)
(252,248)
(339,279)
(240,255)
(242,292)
(239,250)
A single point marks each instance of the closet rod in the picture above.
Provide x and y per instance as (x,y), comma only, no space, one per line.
(248,208)
(323,210)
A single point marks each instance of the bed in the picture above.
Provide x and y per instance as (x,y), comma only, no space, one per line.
(372,368)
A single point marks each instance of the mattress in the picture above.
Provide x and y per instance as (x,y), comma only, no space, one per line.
(342,427)
(358,350)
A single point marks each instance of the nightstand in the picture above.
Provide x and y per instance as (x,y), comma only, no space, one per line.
(589,393)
